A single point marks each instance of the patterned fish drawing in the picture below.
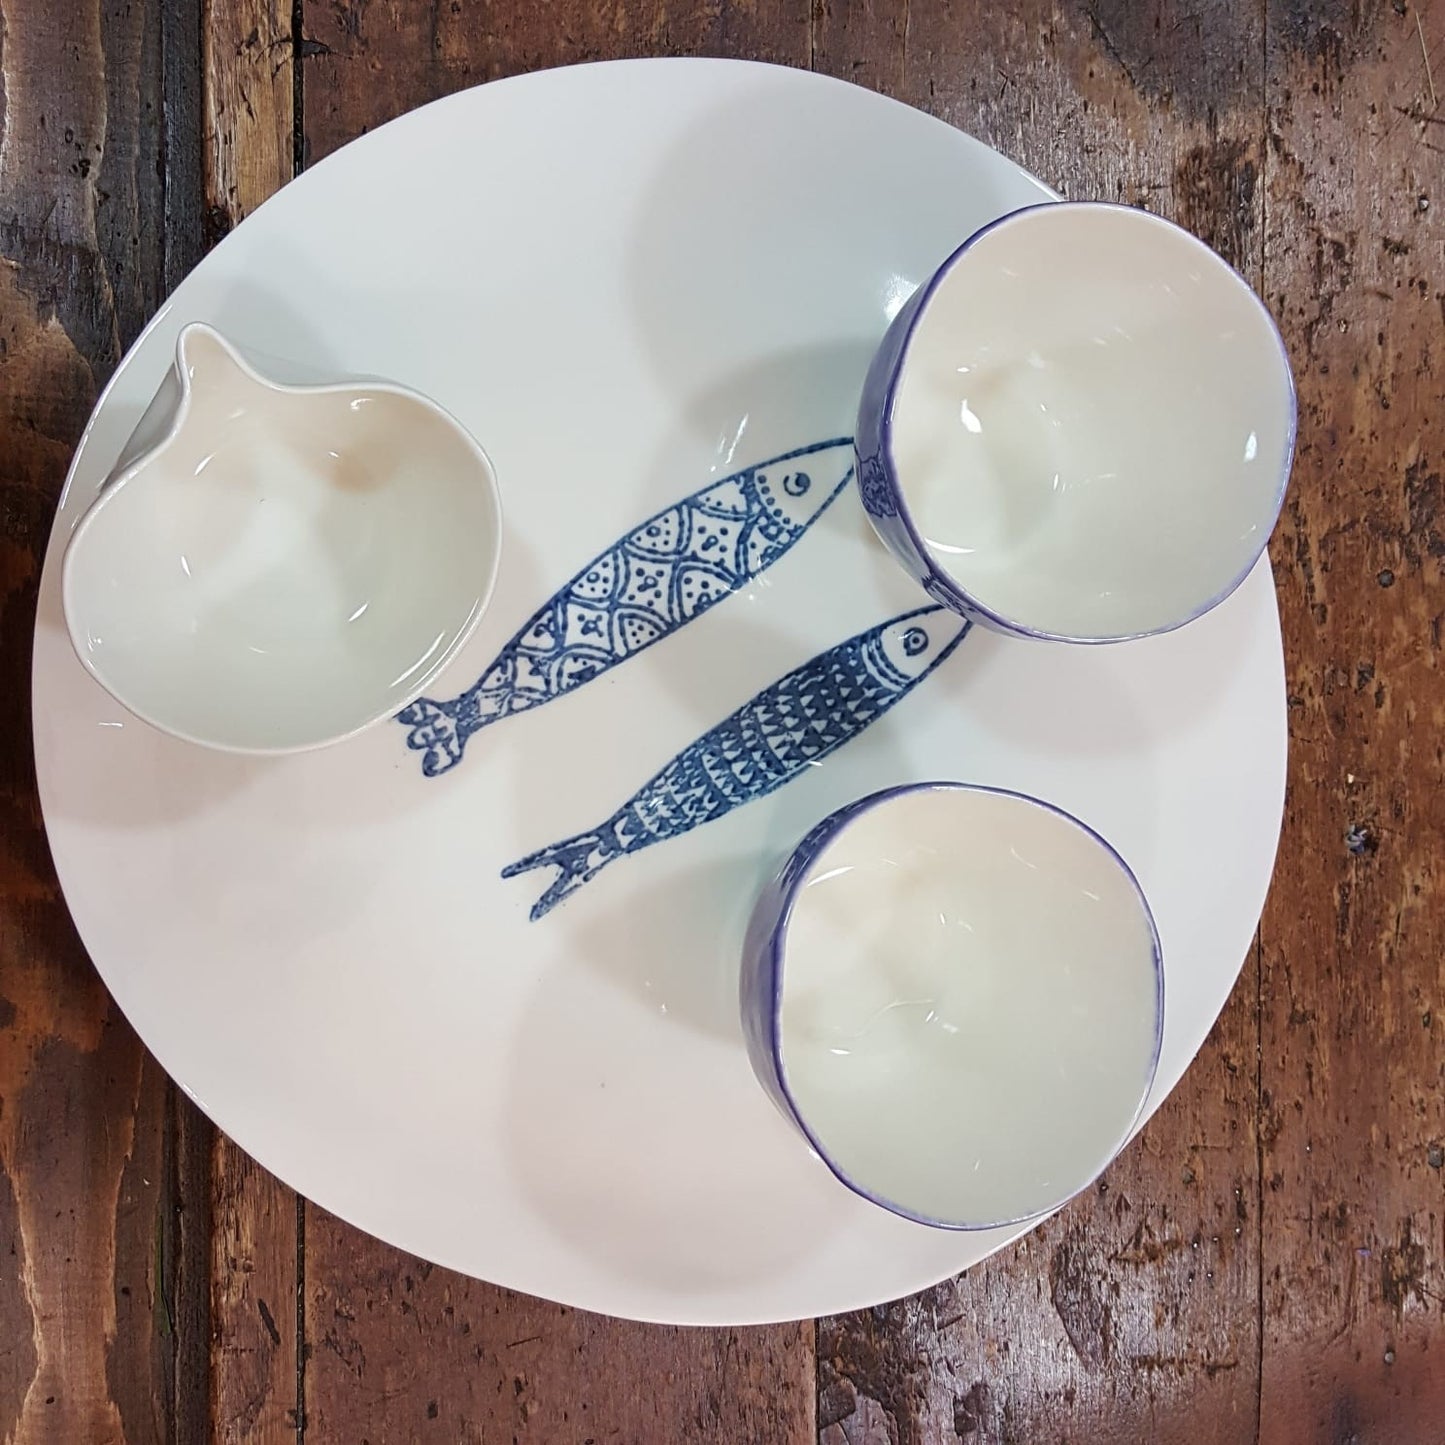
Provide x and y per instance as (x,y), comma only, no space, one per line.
(766,743)
(661,575)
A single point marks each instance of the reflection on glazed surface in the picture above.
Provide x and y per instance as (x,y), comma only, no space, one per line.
(288,564)
(970,1004)
(1092,423)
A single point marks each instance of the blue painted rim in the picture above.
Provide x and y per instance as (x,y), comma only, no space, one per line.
(953,593)
(795,873)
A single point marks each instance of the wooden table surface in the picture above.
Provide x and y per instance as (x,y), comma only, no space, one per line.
(1267,1263)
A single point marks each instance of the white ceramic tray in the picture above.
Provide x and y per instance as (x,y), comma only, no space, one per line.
(632,282)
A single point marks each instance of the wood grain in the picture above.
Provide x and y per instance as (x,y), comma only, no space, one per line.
(248,89)
(84,1187)
(254,1303)
(369,60)
(1133,1314)
(402,1350)
(1353,1063)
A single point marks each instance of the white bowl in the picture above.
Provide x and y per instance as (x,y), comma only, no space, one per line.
(1080,428)
(956,993)
(286,565)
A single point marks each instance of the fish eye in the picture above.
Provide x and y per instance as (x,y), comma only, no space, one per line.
(914,641)
(796,484)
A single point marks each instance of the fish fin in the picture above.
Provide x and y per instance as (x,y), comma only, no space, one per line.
(580,859)
(434,733)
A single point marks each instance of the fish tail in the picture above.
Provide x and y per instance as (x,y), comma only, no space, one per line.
(580,859)
(436,733)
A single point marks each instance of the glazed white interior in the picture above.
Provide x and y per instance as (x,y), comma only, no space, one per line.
(970,1005)
(1092,423)
(289,566)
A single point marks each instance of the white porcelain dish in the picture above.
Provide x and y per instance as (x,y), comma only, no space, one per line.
(1080,428)
(273,568)
(320,948)
(957,995)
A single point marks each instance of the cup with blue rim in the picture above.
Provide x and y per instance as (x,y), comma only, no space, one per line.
(955,993)
(1079,428)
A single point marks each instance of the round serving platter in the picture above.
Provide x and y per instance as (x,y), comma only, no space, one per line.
(651,290)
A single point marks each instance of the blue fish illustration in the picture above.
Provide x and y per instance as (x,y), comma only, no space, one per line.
(661,575)
(769,741)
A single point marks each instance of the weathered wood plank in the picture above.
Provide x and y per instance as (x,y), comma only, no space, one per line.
(185,1244)
(254,1286)
(1353,1064)
(1133,1315)
(397,1350)
(367,61)
(249,131)
(401,1350)
(84,1193)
